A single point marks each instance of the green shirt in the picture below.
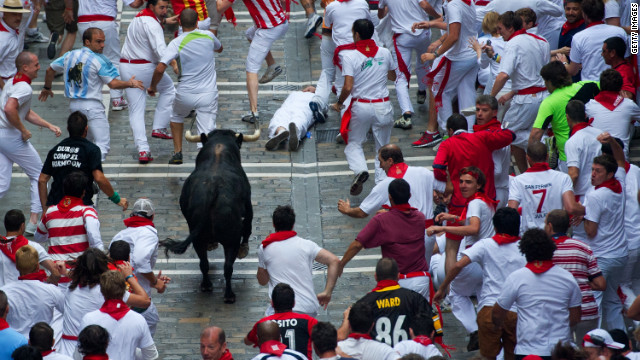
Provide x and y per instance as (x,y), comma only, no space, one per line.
(552,110)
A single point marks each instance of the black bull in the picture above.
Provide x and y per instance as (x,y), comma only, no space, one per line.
(216,202)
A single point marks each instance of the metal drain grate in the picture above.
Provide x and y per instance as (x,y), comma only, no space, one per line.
(286,87)
(329,135)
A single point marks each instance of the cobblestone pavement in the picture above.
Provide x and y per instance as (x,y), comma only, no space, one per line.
(312,179)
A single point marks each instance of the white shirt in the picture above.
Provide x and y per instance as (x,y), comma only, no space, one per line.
(539,192)
(457,11)
(543,302)
(422,183)
(497,263)
(586,49)
(522,59)
(290,261)
(606,208)
(100,7)
(619,122)
(57,356)
(612,9)
(11,44)
(21,91)
(143,241)
(580,149)
(126,334)
(480,209)
(631,208)
(403,13)
(550,22)
(31,301)
(405,347)
(542,8)
(145,40)
(8,271)
(194,50)
(340,16)
(369,74)
(365,349)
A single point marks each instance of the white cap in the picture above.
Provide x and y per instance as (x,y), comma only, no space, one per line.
(600,338)
(144,207)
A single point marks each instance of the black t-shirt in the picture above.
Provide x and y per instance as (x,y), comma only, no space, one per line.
(71,154)
(393,309)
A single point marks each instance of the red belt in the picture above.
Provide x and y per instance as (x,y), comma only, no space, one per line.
(531,90)
(69,337)
(89,18)
(371,101)
(414,274)
(135,61)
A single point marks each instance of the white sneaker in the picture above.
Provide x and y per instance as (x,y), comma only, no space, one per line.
(312,24)
(119,104)
(38,37)
(271,73)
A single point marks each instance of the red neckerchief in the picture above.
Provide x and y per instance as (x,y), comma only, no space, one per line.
(519,32)
(137,221)
(38,275)
(482,196)
(231,17)
(21,77)
(367,47)
(609,99)
(538,167)
(566,27)
(423,340)
(579,126)
(45,353)
(342,0)
(273,347)
(10,248)
(3,323)
(559,238)
(278,236)
(539,267)
(401,207)
(612,184)
(594,23)
(627,166)
(491,125)
(468,2)
(358,336)
(96,357)
(149,13)
(382,284)
(116,308)
(398,170)
(69,202)
(504,239)
(226,355)
(2,28)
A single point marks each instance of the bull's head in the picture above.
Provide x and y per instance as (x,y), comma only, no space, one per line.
(240,136)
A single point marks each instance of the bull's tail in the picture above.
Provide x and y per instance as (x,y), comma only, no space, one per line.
(175,246)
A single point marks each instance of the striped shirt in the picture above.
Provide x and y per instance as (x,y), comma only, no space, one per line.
(577,258)
(198,5)
(70,232)
(266,14)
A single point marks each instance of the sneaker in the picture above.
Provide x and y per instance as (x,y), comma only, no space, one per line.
(317,114)
(144,157)
(294,140)
(270,74)
(176,158)
(428,140)
(38,37)
(275,141)
(403,123)
(119,104)
(358,180)
(473,344)
(312,23)
(30,229)
(251,118)
(161,134)
(53,41)
(422,96)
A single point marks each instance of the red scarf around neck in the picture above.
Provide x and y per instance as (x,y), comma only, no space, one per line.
(45,353)
(468,2)
(504,239)
(3,324)
(401,207)
(398,170)
(579,126)
(524,32)
(69,202)
(482,196)
(273,347)
(612,184)
(593,23)
(566,27)
(491,125)
(627,166)
(539,167)
(367,47)
(278,236)
(21,77)
(358,336)
(148,12)
(560,238)
(10,248)
(539,267)
(609,99)
(96,357)
(423,340)
(39,275)
(116,308)
(383,284)
(226,355)
(137,221)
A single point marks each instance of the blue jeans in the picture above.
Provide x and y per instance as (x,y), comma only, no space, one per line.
(608,300)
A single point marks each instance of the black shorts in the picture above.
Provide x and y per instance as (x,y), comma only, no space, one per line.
(54,10)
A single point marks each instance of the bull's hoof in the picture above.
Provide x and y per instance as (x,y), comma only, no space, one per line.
(230,299)
(243,251)
(206,287)
(212,246)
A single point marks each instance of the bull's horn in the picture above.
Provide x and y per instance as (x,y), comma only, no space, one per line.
(191,138)
(254,137)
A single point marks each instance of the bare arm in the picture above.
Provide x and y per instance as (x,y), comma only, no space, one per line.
(42,191)
(391,75)
(536,135)
(131,83)
(11,112)
(429,9)
(344,206)
(343,330)
(107,189)
(48,80)
(35,119)
(574,174)
(472,229)
(571,205)
(263,276)
(54,274)
(136,4)
(157,76)
(634,310)
(346,89)
(353,249)
(574,315)
(333,271)
(513,204)
(498,84)
(598,284)
(591,228)
(223,5)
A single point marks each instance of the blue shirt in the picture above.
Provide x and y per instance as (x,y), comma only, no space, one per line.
(9,341)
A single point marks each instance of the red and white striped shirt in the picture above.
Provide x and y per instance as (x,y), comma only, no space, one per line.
(266,14)
(71,227)
(199,6)
(577,258)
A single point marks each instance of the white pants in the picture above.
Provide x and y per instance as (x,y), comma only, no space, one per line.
(462,81)
(364,116)
(502,195)
(406,44)
(295,109)
(467,283)
(323,87)
(521,115)
(631,276)
(111,44)
(14,150)
(138,101)
(152,317)
(436,268)
(419,284)
(206,106)
(98,124)
(261,41)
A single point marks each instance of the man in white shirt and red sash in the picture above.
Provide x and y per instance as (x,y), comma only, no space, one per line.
(365,68)
(12,32)
(421,334)
(359,319)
